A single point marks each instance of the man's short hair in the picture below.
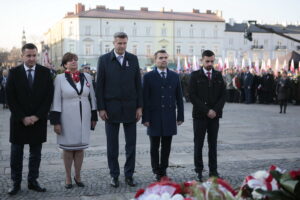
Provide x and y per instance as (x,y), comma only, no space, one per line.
(159,51)
(120,35)
(28,46)
(207,53)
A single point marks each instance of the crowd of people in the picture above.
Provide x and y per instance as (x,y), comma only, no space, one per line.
(121,95)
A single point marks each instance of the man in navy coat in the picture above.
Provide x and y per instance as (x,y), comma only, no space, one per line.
(161,96)
(119,100)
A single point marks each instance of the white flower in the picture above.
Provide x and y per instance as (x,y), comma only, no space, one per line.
(262,174)
(177,197)
(152,197)
(165,196)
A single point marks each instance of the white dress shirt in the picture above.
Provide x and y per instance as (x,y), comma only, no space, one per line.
(160,71)
(121,59)
(32,70)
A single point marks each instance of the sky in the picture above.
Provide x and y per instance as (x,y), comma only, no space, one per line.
(37,16)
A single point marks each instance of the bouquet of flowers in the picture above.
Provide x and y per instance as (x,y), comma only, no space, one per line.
(274,184)
(212,189)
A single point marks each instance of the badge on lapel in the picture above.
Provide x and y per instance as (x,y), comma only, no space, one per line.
(88,84)
(127,63)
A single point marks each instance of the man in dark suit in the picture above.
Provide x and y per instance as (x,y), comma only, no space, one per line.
(248,84)
(161,96)
(207,92)
(119,100)
(29,92)
(3,80)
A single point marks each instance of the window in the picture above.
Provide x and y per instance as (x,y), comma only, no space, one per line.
(88,49)
(71,48)
(122,29)
(178,49)
(178,32)
(266,42)
(148,31)
(191,32)
(191,51)
(163,47)
(215,33)
(70,30)
(107,48)
(203,33)
(202,49)
(88,30)
(230,42)
(134,31)
(163,32)
(134,49)
(107,31)
(255,42)
(148,50)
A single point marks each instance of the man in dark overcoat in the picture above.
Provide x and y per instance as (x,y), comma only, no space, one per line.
(119,100)
(29,92)
(162,96)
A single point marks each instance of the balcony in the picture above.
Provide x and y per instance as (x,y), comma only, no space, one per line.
(257,47)
(280,47)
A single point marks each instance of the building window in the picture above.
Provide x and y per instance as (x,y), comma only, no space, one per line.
(178,32)
(191,32)
(163,32)
(148,31)
(148,50)
(107,31)
(216,50)
(202,49)
(71,48)
(255,42)
(107,48)
(134,49)
(70,30)
(163,47)
(203,33)
(88,50)
(191,51)
(88,30)
(178,49)
(245,41)
(230,42)
(134,31)
(122,29)
(215,33)
(266,42)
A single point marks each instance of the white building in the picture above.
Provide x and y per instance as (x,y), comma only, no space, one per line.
(89,33)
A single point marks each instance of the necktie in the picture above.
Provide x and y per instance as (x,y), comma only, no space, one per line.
(208,75)
(30,79)
(163,75)
(120,59)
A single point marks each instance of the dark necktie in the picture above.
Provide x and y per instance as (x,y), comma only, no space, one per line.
(120,59)
(163,75)
(30,79)
(208,75)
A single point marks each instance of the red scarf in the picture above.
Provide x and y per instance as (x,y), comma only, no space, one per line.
(75,75)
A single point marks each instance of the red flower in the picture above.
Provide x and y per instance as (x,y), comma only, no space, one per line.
(139,193)
(295,174)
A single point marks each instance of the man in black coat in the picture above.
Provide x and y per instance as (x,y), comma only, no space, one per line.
(161,95)
(248,84)
(119,100)
(29,92)
(207,94)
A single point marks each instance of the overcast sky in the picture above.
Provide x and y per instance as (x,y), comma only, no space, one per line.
(37,16)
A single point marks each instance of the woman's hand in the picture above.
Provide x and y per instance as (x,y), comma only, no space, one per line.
(57,129)
(93,124)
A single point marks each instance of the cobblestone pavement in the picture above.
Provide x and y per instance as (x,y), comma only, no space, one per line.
(251,137)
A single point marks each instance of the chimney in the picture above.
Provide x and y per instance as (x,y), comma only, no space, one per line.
(69,14)
(231,21)
(144,9)
(122,8)
(79,8)
(219,13)
(208,12)
(101,7)
(162,9)
(196,10)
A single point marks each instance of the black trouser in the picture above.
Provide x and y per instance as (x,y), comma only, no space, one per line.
(230,95)
(248,95)
(159,166)
(16,162)
(112,135)
(201,126)
(283,103)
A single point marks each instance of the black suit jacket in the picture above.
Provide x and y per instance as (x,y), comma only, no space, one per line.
(205,94)
(23,101)
(119,88)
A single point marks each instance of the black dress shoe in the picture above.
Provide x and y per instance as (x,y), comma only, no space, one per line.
(214,174)
(78,183)
(34,185)
(130,181)
(199,177)
(157,177)
(14,190)
(68,186)
(115,182)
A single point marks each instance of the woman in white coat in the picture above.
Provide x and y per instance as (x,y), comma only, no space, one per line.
(73,114)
